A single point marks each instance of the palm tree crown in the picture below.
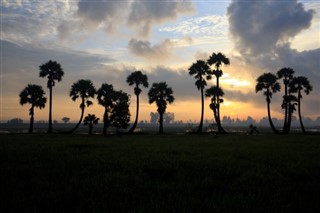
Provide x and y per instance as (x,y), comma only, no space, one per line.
(201,72)
(53,71)
(83,89)
(217,60)
(137,78)
(161,94)
(268,82)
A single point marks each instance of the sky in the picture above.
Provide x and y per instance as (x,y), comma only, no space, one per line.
(106,40)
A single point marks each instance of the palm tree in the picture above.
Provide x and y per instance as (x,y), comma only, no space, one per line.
(34,95)
(161,94)
(268,82)
(287,75)
(90,120)
(217,60)
(215,92)
(83,89)
(136,78)
(105,96)
(53,71)
(201,72)
(299,84)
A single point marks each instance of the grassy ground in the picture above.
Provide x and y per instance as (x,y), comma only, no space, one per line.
(152,173)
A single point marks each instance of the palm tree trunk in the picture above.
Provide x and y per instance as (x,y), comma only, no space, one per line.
(220,129)
(50,110)
(299,112)
(161,123)
(81,117)
(285,123)
(137,114)
(270,120)
(105,121)
(31,119)
(202,112)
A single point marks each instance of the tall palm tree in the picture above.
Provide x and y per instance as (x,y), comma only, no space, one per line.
(90,120)
(136,78)
(83,89)
(297,85)
(268,82)
(215,92)
(201,72)
(161,94)
(53,71)
(287,75)
(105,96)
(34,95)
(217,59)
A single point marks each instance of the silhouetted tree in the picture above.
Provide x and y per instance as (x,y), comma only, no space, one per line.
(214,93)
(217,60)
(297,85)
(84,90)
(201,72)
(53,71)
(65,119)
(136,78)
(15,121)
(34,95)
(90,120)
(105,96)
(120,114)
(161,94)
(287,75)
(268,83)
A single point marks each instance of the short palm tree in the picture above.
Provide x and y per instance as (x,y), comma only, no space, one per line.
(201,72)
(53,71)
(105,96)
(217,59)
(90,120)
(137,78)
(297,85)
(84,90)
(268,83)
(287,75)
(161,94)
(34,95)
(215,92)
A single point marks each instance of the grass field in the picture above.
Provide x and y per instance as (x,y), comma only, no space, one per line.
(152,173)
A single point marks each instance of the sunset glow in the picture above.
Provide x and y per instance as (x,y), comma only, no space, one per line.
(105,41)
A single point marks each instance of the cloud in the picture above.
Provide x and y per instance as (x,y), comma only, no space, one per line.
(143,14)
(257,27)
(159,51)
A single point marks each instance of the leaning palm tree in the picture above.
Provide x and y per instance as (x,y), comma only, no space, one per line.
(90,120)
(136,78)
(201,72)
(297,85)
(215,92)
(287,75)
(53,71)
(161,94)
(268,82)
(217,60)
(34,95)
(83,89)
(105,96)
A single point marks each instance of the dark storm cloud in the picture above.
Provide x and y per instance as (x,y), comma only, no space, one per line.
(159,51)
(258,26)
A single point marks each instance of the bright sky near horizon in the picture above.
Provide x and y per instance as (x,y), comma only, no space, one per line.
(106,40)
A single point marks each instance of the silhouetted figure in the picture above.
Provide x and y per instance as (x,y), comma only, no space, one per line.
(253,129)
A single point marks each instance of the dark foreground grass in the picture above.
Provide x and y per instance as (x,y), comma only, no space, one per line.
(151,173)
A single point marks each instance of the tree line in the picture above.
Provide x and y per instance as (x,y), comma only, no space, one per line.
(116,102)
